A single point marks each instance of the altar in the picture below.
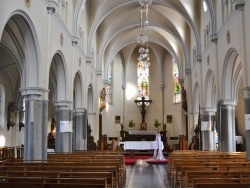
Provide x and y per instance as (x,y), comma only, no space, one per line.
(132,146)
(138,135)
(152,132)
(141,140)
(142,145)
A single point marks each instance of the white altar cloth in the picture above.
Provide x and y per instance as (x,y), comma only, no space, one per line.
(150,132)
(142,145)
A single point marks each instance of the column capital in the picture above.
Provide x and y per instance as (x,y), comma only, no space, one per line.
(239,5)
(63,104)
(98,72)
(210,110)
(229,102)
(51,6)
(88,60)
(214,38)
(75,40)
(188,71)
(105,82)
(80,111)
(246,91)
(34,93)
(199,58)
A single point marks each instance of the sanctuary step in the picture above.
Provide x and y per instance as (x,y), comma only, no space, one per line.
(143,152)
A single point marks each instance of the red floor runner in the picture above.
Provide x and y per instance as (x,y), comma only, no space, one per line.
(131,161)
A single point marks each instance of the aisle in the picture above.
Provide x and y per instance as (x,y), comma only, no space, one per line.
(131,160)
(151,176)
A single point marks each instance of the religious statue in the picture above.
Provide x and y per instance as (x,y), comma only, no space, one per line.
(11,115)
(143,103)
(52,134)
(195,139)
(143,126)
(184,98)
(102,99)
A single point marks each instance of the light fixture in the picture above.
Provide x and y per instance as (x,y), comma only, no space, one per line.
(145,2)
(141,39)
(143,58)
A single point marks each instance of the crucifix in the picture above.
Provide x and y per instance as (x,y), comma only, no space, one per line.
(143,103)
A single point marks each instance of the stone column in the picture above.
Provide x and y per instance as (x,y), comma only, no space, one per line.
(63,142)
(208,136)
(80,129)
(227,134)
(36,123)
(247,113)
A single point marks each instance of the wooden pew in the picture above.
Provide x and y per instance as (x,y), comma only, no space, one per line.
(190,175)
(71,169)
(50,182)
(211,166)
(119,178)
(103,159)
(179,162)
(208,180)
(64,174)
(222,185)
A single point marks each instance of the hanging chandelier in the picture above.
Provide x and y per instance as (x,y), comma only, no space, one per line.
(144,3)
(143,37)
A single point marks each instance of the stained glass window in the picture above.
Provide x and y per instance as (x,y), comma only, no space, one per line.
(142,81)
(176,84)
(22,118)
(109,85)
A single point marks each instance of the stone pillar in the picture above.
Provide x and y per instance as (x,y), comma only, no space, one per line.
(80,129)
(208,136)
(227,134)
(36,123)
(63,142)
(247,113)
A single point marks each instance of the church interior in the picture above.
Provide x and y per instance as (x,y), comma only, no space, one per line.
(125,77)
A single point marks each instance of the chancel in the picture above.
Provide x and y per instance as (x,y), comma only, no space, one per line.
(143,103)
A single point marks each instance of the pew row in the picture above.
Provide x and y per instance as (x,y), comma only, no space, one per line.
(45,182)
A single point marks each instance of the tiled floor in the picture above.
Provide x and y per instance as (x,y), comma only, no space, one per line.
(151,176)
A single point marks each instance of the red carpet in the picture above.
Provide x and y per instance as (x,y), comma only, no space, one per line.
(131,161)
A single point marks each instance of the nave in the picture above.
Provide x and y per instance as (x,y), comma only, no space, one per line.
(151,176)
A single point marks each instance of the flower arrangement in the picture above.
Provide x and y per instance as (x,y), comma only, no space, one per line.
(131,124)
(157,123)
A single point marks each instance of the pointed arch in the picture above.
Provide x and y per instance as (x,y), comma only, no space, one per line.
(57,77)
(210,94)
(23,43)
(78,91)
(231,74)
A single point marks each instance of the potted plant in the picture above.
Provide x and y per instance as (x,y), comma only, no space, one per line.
(156,124)
(131,124)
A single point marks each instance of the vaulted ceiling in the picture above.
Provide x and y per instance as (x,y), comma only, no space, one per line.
(116,24)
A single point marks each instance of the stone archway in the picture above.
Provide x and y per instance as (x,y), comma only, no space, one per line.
(80,115)
(231,77)
(63,108)
(20,52)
